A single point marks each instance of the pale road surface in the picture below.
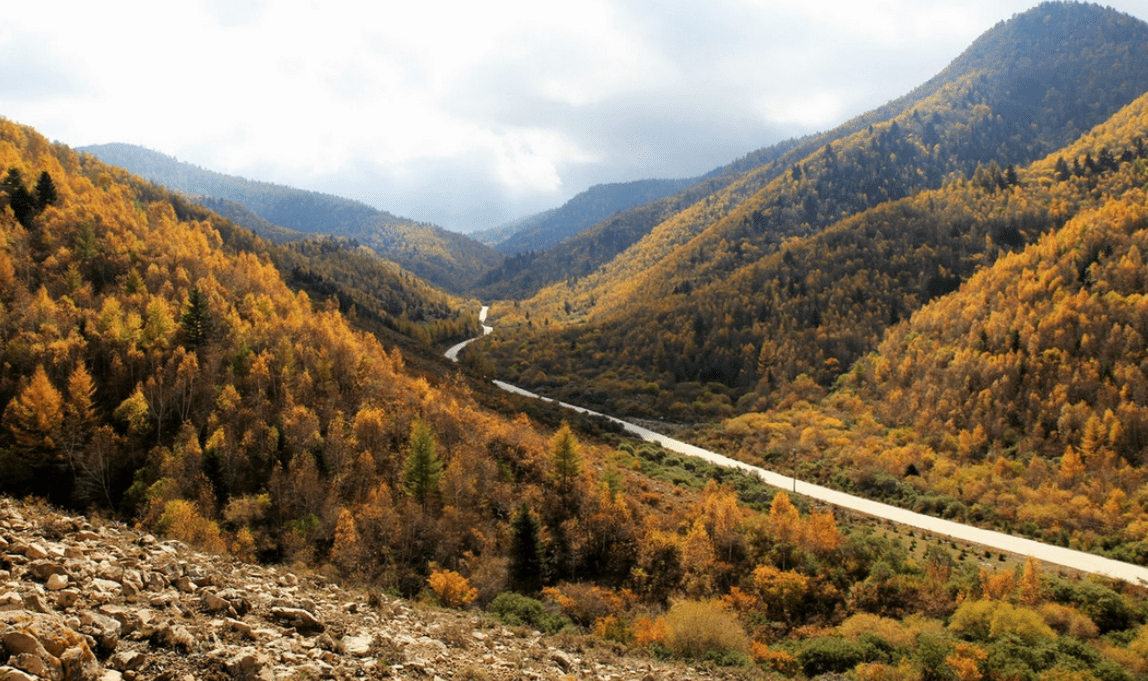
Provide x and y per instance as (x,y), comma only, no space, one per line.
(452,354)
(1057,555)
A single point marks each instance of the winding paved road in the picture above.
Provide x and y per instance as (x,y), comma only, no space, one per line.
(1057,555)
(452,354)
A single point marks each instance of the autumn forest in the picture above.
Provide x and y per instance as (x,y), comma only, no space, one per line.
(941,304)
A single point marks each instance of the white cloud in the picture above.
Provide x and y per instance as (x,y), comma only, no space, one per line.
(426,108)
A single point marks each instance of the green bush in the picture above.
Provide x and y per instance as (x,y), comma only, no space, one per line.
(516,610)
(1101,604)
(729,658)
(831,655)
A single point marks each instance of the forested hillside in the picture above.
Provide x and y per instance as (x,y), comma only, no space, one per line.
(450,260)
(546,230)
(525,274)
(156,366)
(777,284)
(1018,400)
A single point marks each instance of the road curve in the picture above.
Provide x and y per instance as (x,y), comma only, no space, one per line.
(1057,555)
(452,353)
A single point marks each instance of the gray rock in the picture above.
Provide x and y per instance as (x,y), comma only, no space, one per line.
(9,673)
(298,618)
(11,601)
(44,666)
(174,636)
(35,551)
(358,646)
(250,665)
(561,659)
(213,603)
(128,660)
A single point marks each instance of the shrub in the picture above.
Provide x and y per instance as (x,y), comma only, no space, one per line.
(649,631)
(516,610)
(452,589)
(584,603)
(1099,603)
(182,520)
(777,660)
(830,655)
(611,628)
(695,629)
(989,620)
(1068,621)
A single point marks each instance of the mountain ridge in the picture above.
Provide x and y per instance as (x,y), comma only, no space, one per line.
(445,258)
(723,238)
(547,229)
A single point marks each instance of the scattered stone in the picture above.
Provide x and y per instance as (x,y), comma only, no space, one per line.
(240,626)
(298,618)
(358,646)
(562,660)
(35,552)
(213,603)
(67,598)
(175,636)
(9,673)
(158,611)
(128,660)
(11,601)
(249,664)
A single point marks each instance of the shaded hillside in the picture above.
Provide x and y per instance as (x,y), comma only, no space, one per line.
(450,260)
(783,306)
(546,230)
(525,274)
(248,219)
(376,294)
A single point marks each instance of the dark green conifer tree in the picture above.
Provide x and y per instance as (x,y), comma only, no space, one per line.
(527,554)
(46,193)
(196,319)
(423,466)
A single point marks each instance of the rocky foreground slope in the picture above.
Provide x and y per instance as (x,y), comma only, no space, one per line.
(86,601)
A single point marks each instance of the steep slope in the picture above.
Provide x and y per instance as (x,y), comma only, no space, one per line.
(1024,89)
(1019,399)
(248,219)
(450,260)
(730,307)
(243,621)
(524,275)
(150,370)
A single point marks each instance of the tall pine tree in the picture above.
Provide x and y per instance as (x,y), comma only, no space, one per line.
(527,554)
(196,319)
(423,466)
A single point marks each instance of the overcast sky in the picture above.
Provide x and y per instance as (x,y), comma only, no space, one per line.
(469,113)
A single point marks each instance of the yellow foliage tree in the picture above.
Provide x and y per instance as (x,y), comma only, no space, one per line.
(781,592)
(346,550)
(1029,589)
(452,589)
(33,419)
(784,520)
